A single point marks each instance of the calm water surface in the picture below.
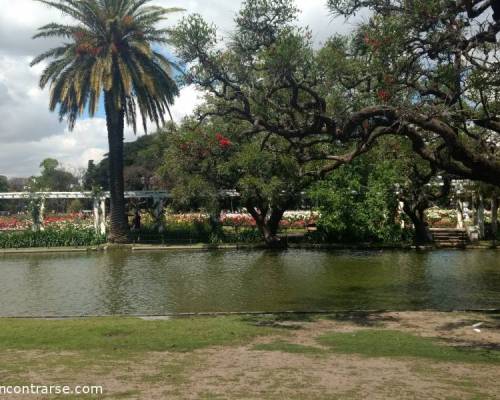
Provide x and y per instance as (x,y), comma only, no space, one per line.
(175,282)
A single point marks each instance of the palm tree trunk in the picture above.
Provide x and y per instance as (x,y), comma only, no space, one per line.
(119,230)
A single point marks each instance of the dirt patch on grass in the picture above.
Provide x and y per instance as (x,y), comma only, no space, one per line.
(471,328)
(240,373)
(283,366)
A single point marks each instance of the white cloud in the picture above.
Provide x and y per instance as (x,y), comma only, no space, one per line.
(23,106)
(29,132)
(88,141)
(18,23)
(187,101)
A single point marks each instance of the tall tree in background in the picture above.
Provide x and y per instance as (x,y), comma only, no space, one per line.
(54,178)
(4,187)
(109,51)
(4,184)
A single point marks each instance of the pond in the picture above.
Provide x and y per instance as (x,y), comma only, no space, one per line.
(159,283)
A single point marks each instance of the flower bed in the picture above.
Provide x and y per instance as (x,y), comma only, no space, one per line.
(238,220)
(77,230)
(57,219)
(191,218)
(291,220)
(299,219)
(23,222)
(440,218)
(13,224)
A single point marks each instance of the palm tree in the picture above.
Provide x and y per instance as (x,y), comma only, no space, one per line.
(109,51)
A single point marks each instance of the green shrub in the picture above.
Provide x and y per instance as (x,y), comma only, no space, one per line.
(70,236)
(358,203)
(75,206)
(175,232)
(194,232)
(244,235)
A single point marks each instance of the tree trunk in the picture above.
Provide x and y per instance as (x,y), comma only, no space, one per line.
(275,220)
(268,226)
(215,223)
(119,230)
(480,216)
(494,219)
(423,235)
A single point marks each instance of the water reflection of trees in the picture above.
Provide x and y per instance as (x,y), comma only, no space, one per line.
(49,284)
(463,279)
(117,286)
(368,280)
(120,282)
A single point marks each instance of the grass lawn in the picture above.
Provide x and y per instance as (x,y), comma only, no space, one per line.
(125,336)
(393,355)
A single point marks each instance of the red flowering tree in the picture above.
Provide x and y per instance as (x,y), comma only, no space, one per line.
(205,162)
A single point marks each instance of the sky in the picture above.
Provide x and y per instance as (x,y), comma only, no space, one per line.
(29,132)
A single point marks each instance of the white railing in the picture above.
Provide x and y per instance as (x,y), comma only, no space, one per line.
(81,195)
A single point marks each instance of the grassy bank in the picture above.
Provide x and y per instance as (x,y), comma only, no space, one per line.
(391,355)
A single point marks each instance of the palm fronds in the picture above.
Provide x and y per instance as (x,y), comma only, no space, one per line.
(108,49)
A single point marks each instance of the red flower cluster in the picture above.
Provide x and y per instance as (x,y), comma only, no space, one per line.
(24,223)
(238,220)
(383,95)
(61,218)
(375,43)
(11,224)
(224,142)
(299,223)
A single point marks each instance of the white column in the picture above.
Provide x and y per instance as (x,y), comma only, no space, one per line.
(102,225)
(37,214)
(460,214)
(466,211)
(100,215)
(401,214)
(96,214)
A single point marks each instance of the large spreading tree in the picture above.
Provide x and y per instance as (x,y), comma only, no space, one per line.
(109,53)
(434,66)
(427,70)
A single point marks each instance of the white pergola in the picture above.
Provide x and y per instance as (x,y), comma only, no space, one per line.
(99,203)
